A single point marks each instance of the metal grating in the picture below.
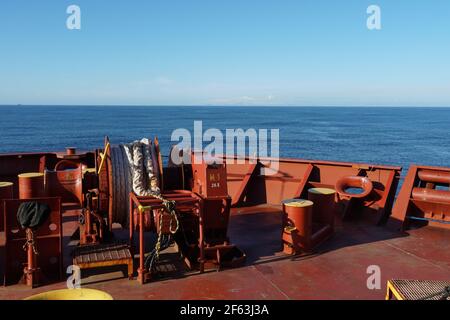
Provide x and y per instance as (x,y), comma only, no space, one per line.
(102,252)
(420,289)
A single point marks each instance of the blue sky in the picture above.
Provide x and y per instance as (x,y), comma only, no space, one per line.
(227,52)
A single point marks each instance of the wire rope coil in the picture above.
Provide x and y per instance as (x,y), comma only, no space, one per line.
(133,170)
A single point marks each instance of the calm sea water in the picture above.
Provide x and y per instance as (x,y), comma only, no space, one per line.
(395,136)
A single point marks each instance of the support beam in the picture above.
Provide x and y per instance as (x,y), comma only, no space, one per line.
(239,196)
(304,181)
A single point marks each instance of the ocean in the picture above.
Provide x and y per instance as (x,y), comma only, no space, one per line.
(392,136)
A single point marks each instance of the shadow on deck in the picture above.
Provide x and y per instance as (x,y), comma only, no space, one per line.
(337,270)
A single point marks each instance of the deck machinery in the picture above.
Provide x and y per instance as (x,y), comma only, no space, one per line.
(193,207)
(198,224)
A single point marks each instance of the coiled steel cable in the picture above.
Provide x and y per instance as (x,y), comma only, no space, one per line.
(121,181)
(133,169)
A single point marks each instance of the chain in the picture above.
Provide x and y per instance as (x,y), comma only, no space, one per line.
(170,206)
(30,241)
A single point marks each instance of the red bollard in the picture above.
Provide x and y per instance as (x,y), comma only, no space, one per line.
(70,151)
(31,185)
(324,205)
(297,226)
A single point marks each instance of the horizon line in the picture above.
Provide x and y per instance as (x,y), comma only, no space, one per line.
(218,106)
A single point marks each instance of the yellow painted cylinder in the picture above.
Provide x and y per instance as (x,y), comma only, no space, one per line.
(72,294)
(324,205)
(297,225)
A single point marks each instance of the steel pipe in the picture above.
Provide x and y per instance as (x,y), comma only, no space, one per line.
(432,195)
(434,176)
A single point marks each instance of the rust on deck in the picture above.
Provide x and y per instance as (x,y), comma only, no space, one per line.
(336,271)
(249,215)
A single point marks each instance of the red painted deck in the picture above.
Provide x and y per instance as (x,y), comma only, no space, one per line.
(336,271)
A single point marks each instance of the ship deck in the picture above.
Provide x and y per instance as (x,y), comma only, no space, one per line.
(337,270)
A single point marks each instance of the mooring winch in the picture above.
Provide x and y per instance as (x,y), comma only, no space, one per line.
(136,192)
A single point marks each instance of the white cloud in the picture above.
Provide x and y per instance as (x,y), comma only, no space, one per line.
(156,81)
(163,81)
(243,100)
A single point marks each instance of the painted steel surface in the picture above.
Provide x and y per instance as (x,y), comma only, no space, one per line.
(324,209)
(6,192)
(348,182)
(256,219)
(65,181)
(48,242)
(209,180)
(31,185)
(420,202)
(247,186)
